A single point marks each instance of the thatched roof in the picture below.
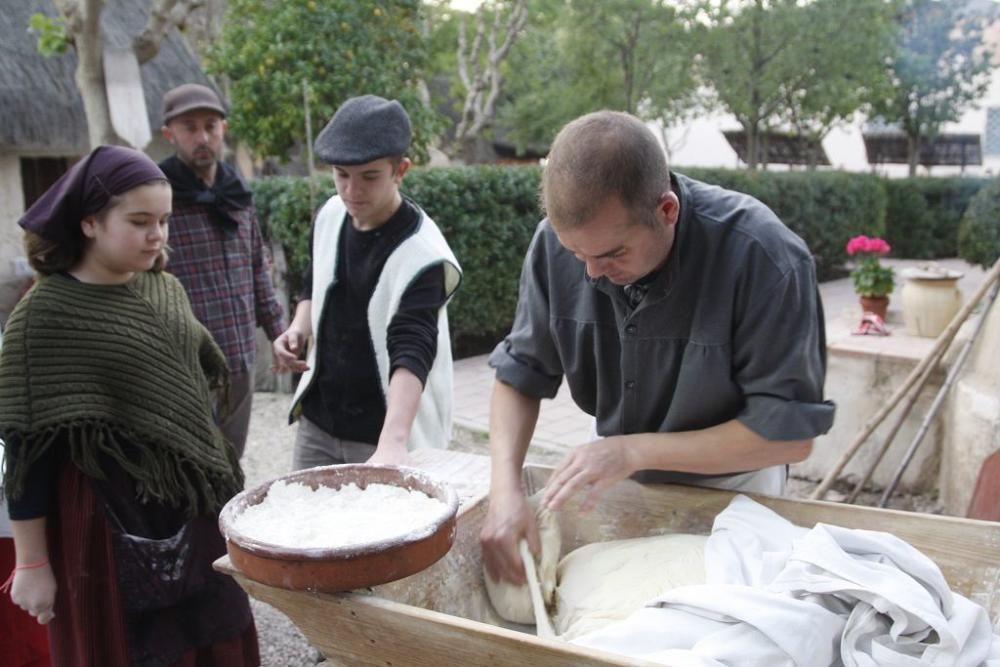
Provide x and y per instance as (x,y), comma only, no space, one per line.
(40,108)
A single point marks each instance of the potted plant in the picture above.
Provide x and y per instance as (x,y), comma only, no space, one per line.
(873,281)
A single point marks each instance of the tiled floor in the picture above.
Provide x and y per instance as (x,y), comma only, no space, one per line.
(562,424)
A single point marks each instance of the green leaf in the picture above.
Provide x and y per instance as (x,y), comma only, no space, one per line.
(51,33)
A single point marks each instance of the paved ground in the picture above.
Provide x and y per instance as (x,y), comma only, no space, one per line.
(561,425)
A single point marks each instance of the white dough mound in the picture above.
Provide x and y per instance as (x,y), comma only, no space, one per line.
(606,581)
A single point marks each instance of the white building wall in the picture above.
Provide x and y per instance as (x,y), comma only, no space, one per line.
(700,143)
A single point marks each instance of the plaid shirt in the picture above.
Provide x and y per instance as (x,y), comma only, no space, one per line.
(225,272)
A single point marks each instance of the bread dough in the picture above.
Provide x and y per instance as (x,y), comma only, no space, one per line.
(604,582)
(513,601)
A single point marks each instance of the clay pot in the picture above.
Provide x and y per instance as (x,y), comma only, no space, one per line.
(875,304)
(329,570)
(930,302)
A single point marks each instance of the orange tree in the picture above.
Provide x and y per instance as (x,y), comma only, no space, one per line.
(339,48)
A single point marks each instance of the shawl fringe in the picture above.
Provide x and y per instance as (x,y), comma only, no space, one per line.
(170,478)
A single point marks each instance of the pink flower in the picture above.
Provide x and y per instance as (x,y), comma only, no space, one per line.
(864,244)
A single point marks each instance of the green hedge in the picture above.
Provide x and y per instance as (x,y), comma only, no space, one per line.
(924,213)
(979,231)
(825,208)
(489,213)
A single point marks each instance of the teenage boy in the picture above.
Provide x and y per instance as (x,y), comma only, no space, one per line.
(377,380)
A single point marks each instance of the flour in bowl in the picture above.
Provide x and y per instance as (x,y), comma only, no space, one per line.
(295,515)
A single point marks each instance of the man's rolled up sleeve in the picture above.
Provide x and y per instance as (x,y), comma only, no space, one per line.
(780,359)
(527,358)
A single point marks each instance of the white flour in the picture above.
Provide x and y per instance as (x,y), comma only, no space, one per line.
(294,515)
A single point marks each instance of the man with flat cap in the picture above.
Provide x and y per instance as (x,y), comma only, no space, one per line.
(216,247)
(377,381)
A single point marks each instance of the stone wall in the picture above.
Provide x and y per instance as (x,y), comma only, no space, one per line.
(972,415)
(860,384)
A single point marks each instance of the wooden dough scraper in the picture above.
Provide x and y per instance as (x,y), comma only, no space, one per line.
(543,626)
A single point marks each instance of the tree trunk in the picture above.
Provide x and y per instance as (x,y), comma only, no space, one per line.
(477,150)
(753,138)
(90,76)
(913,153)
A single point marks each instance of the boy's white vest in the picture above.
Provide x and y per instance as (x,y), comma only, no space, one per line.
(424,248)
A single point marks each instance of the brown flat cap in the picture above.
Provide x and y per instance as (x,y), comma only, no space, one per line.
(188,97)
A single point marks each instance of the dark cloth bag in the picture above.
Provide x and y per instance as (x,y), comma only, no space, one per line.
(156,574)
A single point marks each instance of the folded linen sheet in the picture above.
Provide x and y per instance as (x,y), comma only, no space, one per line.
(779,595)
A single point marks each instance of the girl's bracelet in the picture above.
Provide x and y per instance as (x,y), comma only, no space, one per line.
(5,586)
(32,566)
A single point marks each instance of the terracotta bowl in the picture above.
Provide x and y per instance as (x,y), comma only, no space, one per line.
(342,568)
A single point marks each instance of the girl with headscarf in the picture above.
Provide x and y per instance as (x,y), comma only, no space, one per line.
(115,470)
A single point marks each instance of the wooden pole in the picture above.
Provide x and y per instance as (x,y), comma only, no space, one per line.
(900,418)
(938,402)
(309,148)
(876,419)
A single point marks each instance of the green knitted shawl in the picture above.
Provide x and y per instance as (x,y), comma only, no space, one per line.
(124,370)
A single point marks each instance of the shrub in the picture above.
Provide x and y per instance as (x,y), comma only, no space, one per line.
(908,222)
(488,214)
(979,231)
(822,207)
(923,214)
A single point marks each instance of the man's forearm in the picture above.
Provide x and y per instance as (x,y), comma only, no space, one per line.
(513,416)
(726,448)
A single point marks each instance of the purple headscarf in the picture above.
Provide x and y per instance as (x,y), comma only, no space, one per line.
(87,188)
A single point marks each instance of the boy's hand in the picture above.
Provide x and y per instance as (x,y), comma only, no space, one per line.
(390,456)
(287,348)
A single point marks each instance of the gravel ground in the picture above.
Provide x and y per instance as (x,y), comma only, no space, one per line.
(269,454)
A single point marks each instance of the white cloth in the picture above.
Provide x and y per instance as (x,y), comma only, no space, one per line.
(778,594)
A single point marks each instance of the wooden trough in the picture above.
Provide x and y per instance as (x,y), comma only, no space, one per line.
(441,616)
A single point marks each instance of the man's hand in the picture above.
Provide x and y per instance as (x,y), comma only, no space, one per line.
(508,519)
(34,591)
(592,467)
(287,348)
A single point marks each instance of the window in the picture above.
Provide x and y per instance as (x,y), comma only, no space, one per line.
(992,139)
(38,174)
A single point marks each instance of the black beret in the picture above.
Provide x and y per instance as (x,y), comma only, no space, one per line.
(364,129)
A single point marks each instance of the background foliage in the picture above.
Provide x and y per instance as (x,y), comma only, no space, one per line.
(340,48)
(489,214)
(939,66)
(579,56)
(979,232)
(923,214)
